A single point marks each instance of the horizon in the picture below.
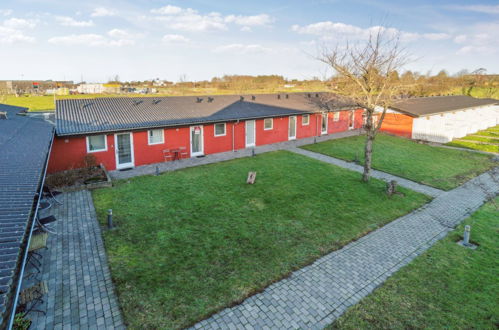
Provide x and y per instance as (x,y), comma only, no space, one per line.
(197,41)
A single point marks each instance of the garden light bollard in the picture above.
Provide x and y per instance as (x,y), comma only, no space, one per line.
(110,219)
(466,239)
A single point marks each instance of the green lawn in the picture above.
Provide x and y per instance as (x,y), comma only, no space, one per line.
(448,287)
(490,135)
(438,167)
(193,241)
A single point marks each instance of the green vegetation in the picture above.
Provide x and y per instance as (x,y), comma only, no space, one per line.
(437,167)
(472,141)
(193,241)
(448,287)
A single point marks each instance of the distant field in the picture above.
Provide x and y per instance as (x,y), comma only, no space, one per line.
(46,102)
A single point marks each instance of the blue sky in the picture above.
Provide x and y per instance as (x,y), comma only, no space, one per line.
(199,39)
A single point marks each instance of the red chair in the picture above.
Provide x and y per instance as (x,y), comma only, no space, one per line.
(183,152)
(167,154)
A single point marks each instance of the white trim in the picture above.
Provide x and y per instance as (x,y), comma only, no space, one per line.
(352,114)
(126,165)
(289,128)
(322,120)
(215,129)
(162,136)
(246,135)
(336,116)
(271,124)
(201,136)
(308,119)
(100,150)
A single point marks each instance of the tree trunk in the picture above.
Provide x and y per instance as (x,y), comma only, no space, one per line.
(368,148)
(368,153)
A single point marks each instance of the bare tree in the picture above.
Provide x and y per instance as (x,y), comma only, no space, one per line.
(367,70)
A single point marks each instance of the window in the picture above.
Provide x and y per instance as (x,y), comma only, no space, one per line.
(220,129)
(305,120)
(268,123)
(336,116)
(96,143)
(156,136)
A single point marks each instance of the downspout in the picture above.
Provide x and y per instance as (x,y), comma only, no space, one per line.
(25,257)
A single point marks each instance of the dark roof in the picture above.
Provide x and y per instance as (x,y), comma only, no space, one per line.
(82,116)
(423,106)
(24,145)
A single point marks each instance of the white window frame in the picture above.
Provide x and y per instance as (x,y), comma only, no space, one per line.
(99,150)
(303,119)
(271,124)
(215,129)
(149,136)
(336,116)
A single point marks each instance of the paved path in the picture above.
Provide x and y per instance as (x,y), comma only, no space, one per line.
(81,294)
(223,156)
(316,295)
(427,190)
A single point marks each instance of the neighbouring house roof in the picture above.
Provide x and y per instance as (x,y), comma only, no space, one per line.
(424,106)
(84,116)
(24,150)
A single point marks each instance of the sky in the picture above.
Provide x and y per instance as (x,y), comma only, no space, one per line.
(94,41)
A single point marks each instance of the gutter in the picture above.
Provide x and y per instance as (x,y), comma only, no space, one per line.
(25,257)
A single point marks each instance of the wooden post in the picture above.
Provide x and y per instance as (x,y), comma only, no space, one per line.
(251,178)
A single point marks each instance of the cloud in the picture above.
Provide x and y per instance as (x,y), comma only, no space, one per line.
(9,36)
(167,10)
(242,49)
(175,38)
(256,20)
(20,23)
(188,19)
(481,38)
(486,9)
(69,21)
(5,12)
(118,33)
(92,40)
(336,30)
(102,12)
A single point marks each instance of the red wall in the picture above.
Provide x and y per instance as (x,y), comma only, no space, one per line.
(69,152)
(397,124)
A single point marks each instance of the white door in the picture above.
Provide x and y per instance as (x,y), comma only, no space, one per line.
(324,123)
(197,145)
(250,133)
(124,150)
(292,128)
(351,120)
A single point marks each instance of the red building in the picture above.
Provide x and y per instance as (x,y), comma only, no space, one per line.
(127,132)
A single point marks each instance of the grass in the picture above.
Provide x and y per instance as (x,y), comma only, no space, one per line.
(193,241)
(437,167)
(448,287)
(490,135)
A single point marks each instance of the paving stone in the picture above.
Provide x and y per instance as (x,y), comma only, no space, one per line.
(74,266)
(316,295)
